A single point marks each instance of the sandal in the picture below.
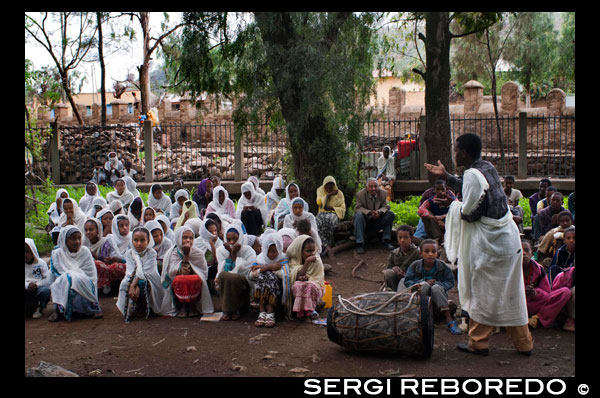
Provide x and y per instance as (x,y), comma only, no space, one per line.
(453,328)
(270,320)
(226,316)
(235,316)
(260,322)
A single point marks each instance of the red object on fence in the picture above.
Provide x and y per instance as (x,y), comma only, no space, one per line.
(405,147)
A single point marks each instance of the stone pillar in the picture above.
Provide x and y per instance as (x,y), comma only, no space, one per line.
(96,110)
(473,96)
(43,113)
(397,101)
(510,97)
(62,112)
(119,109)
(557,102)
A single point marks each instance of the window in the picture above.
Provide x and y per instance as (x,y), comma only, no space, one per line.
(130,108)
(175,107)
(88,109)
(52,113)
(108,109)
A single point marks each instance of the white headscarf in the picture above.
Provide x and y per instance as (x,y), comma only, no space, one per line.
(289,220)
(204,236)
(287,232)
(86,200)
(245,256)
(125,198)
(144,214)
(219,208)
(144,265)
(36,257)
(119,243)
(115,206)
(285,205)
(78,216)
(175,208)
(131,186)
(172,264)
(254,180)
(163,203)
(266,241)
(96,201)
(272,195)
(75,271)
(256,200)
(162,248)
(53,210)
(94,247)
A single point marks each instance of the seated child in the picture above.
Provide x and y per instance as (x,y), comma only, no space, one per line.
(272,286)
(307,277)
(74,275)
(303,227)
(554,238)
(401,258)
(162,244)
(543,305)
(565,255)
(566,279)
(434,278)
(433,214)
(140,292)
(37,281)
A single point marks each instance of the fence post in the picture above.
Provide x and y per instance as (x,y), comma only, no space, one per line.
(54,156)
(148,150)
(422,149)
(239,155)
(522,172)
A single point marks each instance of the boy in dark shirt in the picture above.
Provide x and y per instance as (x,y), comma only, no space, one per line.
(400,258)
(433,214)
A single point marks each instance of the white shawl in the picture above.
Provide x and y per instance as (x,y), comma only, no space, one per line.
(96,201)
(254,180)
(131,186)
(245,256)
(144,265)
(203,236)
(94,247)
(125,198)
(490,277)
(290,219)
(75,271)
(163,203)
(256,200)
(119,242)
(86,200)
(53,209)
(176,209)
(285,205)
(172,264)
(78,216)
(38,271)
(169,232)
(164,246)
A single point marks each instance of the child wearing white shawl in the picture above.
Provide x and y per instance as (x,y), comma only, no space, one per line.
(37,280)
(225,208)
(74,277)
(184,290)
(234,259)
(141,282)
(91,192)
(284,207)
(272,199)
(158,200)
(181,196)
(55,209)
(270,273)
(105,221)
(256,183)
(299,213)
(162,244)
(135,214)
(120,238)
(71,216)
(120,193)
(97,204)
(209,242)
(131,186)
(251,209)
(166,225)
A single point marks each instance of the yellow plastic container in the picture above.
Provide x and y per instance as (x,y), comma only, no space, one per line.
(328,296)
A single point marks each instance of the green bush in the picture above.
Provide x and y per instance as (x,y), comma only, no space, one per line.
(406,211)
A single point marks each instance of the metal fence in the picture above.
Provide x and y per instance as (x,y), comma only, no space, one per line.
(195,151)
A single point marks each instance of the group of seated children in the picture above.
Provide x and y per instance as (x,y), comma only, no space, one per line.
(169,258)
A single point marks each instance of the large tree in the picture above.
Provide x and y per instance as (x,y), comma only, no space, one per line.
(309,72)
(437,39)
(66,48)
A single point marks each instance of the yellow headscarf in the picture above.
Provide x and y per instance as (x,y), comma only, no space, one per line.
(315,271)
(337,201)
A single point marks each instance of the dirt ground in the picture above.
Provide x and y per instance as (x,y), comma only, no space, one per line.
(189,347)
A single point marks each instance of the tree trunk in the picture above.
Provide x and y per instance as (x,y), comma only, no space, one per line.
(65,83)
(437,86)
(102,71)
(144,68)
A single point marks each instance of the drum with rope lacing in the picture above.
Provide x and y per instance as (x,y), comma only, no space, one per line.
(385,322)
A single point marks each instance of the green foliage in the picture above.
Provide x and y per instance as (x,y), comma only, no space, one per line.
(406,211)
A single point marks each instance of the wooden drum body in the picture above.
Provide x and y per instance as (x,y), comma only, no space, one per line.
(385,322)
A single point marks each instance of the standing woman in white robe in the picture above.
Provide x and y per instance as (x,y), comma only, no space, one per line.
(234,259)
(91,192)
(184,276)
(251,209)
(142,281)
(74,277)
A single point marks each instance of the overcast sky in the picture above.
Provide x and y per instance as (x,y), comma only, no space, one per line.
(117,64)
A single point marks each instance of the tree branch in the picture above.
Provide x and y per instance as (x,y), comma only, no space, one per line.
(417,71)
